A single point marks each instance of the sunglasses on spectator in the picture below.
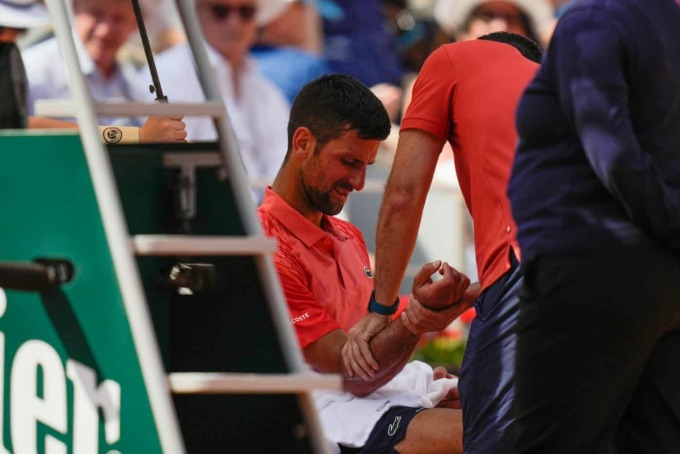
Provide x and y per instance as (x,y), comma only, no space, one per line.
(222,12)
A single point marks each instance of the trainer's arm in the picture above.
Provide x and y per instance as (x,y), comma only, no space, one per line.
(402,209)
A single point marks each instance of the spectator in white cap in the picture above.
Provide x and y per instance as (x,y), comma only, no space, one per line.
(288,48)
(22,14)
(258,111)
(470,19)
(294,23)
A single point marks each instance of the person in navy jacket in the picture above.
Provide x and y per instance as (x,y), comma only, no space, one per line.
(595,192)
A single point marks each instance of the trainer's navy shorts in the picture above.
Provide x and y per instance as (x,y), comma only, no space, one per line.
(486,377)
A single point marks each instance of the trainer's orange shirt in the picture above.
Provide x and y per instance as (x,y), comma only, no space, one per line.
(467,93)
(325,272)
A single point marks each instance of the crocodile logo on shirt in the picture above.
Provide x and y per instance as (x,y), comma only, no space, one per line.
(392,428)
(367,270)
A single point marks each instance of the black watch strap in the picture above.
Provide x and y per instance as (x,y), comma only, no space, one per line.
(374,306)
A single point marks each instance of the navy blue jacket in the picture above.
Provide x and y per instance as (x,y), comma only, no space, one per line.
(598,162)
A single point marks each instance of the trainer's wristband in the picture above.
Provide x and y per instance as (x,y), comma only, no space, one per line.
(119,134)
(374,306)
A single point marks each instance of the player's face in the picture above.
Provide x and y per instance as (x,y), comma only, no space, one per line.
(229,26)
(104,26)
(332,173)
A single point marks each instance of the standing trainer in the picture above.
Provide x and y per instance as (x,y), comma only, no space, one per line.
(466,93)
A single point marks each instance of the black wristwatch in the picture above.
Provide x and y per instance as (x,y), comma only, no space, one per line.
(374,306)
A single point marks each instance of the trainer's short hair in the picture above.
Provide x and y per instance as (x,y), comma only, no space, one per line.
(527,47)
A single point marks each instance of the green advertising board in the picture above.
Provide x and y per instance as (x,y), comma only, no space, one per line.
(93,365)
(70,366)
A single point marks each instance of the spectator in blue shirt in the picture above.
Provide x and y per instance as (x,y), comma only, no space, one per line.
(595,192)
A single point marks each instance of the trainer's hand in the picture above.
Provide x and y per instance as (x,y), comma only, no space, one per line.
(163,129)
(356,354)
(442,293)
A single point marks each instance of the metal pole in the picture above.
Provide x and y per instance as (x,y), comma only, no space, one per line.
(156,87)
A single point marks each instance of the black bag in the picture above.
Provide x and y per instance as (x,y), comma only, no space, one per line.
(13,83)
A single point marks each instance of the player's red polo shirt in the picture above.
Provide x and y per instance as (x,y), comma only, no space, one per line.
(325,272)
(467,93)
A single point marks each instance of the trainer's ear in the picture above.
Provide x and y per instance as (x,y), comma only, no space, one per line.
(304,142)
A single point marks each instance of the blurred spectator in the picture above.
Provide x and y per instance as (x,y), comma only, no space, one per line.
(295,23)
(164,29)
(162,23)
(469,19)
(561,7)
(258,111)
(288,49)
(101,28)
(416,34)
(357,43)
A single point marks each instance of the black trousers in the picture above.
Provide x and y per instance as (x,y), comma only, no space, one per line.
(598,354)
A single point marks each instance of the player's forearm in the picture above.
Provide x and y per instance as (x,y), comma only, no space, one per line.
(392,348)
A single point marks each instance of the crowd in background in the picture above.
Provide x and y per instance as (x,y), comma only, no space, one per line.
(383,43)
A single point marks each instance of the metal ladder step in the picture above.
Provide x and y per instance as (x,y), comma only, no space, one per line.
(190,245)
(67,108)
(233,383)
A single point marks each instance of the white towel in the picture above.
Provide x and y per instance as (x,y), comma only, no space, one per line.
(349,420)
